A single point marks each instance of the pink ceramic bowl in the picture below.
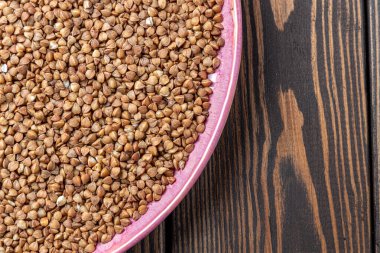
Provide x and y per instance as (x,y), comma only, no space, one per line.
(225,80)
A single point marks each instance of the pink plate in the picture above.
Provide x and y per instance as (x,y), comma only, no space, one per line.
(225,80)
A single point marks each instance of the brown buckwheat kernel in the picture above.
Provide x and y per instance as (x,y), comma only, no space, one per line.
(100,103)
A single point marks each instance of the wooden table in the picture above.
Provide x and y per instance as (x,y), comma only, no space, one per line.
(296,169)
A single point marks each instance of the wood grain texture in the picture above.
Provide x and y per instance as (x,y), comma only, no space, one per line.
(154,243)
(373,12)
(290,146)
(281,11)
(291,172)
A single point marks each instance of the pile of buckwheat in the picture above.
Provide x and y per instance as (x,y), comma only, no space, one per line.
(101,101)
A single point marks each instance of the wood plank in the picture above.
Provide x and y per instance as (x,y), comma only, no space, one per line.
(373,12)
(291,172)
(154,243)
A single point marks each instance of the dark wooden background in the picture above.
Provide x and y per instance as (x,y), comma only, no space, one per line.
(296,169)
